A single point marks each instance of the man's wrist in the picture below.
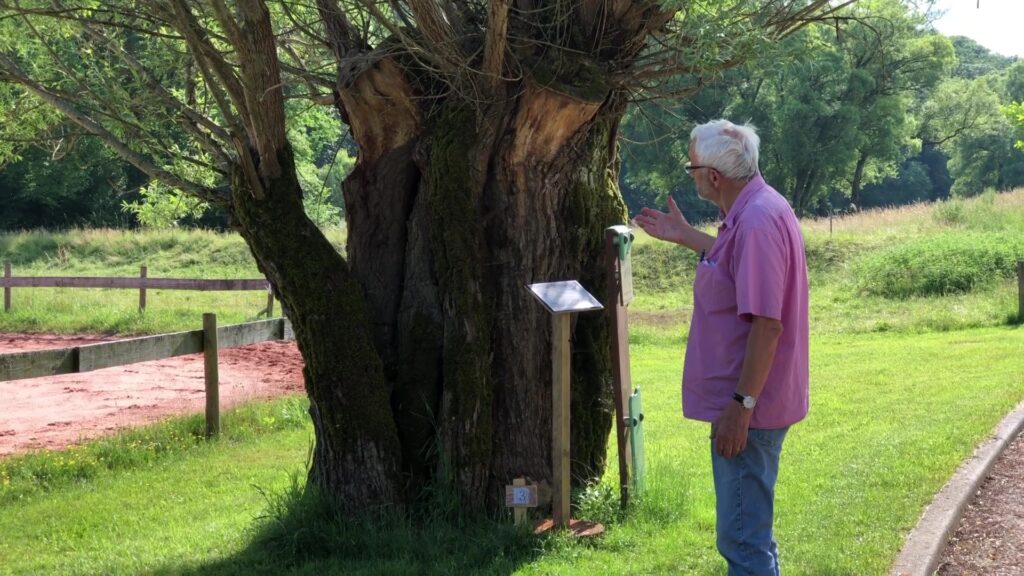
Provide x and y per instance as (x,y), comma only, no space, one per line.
(747,402)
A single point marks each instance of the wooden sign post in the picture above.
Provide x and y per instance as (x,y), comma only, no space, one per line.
(562,299)
(519,497)
(618,245)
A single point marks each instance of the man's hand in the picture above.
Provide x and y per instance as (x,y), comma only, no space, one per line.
(730,430)
(671,227)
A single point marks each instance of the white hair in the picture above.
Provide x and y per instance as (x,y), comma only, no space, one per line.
(728,148)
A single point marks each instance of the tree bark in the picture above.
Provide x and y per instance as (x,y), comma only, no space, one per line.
(445,255)
(356,457)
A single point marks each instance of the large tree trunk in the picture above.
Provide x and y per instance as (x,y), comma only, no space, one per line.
(356,457)
(447,226)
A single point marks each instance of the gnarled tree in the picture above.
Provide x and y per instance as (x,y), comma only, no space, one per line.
(487,160)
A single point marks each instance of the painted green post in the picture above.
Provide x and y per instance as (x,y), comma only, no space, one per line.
(636,423)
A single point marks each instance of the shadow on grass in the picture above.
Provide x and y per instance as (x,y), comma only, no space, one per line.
(298,535)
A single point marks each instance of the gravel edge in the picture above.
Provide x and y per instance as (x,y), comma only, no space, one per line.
(923,547)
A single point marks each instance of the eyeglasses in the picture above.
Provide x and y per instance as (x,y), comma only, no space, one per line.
(689,168)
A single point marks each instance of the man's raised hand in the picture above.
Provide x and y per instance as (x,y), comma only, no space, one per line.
(671,226)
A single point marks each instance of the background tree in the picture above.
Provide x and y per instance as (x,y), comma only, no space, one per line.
(486,137)
(846,92)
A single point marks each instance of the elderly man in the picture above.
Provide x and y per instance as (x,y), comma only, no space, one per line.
(746,368)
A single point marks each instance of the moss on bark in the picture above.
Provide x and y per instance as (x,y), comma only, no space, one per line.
(357,453)
(458,250)
(593,204)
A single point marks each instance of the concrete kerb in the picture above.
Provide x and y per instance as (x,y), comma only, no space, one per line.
(924,546)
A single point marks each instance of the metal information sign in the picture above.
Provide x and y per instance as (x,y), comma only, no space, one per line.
(564,297)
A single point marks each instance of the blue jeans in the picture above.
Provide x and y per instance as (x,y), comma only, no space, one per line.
(745,504)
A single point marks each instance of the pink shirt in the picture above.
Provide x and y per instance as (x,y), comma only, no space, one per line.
(756,267)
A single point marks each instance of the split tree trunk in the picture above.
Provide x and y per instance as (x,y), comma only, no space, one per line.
(356,459)
(444,253)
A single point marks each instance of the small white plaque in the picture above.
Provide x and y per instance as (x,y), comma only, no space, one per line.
(563,297)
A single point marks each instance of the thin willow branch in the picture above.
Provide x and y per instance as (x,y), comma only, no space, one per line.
(13,72)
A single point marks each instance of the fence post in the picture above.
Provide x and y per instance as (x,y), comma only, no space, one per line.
(270,300)
(7,289)
(210,374)
(142,291)
(1020,290)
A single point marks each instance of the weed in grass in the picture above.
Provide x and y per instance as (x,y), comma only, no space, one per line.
(599,502)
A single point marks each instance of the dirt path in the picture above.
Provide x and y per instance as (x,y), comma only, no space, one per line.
(58,411)
(990,538)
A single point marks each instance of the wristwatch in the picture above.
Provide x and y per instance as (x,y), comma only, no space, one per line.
(747,402)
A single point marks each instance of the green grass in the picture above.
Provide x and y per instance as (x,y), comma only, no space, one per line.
(892,416)
(904,386)
(165,253)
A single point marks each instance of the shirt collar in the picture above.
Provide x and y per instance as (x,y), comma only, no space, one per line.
(746,194)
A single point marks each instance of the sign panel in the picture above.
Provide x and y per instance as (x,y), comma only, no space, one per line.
(564,297)
(521,496)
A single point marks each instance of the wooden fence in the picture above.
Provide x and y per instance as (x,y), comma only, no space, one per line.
(142,283)
(41,363)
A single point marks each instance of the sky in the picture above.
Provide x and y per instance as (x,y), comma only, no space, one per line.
(995,24)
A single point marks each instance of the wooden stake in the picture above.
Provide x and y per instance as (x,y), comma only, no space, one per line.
(622,384)
(270,301)
(142,291)
(211,375)
(519,514)
(560,419)
(7,289)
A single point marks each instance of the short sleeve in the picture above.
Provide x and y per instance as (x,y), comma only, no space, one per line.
(760,268)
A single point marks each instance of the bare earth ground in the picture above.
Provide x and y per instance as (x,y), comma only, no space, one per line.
(990,539)
(57,411)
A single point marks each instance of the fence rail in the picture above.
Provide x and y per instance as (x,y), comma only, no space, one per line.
(40,363)
(137,283)
(142,283)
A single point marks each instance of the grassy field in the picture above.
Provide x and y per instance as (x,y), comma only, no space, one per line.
(909,372)
(165,253)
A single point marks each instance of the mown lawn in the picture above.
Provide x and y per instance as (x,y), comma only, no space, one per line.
(892,417)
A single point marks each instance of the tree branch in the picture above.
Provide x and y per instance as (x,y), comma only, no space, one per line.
(261,77)
(438,33)
(210,59)
(495,44)
(14,72)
